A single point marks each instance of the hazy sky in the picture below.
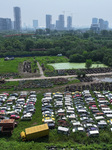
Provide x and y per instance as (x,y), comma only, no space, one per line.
(82,11)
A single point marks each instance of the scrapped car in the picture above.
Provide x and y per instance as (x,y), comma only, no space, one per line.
(48,118)
(81,129)
(14,117)
(93,133)
(26,117)
(63,130)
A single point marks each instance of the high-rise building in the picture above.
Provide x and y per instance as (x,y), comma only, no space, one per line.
(57,24)
(69,23)
(95,21)
(106,25)
(60,23)
(5,24)
(95,25)
(35,24)
(99,25)
(17,18)
(103,24)
(9,23)
(48,21)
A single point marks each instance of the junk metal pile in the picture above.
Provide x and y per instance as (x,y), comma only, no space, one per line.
(93,86)
(9,75)
(72,112)
(74,71)
(12,105)
(45,83)
(27,66)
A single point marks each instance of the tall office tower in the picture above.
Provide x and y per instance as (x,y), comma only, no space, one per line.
(2,24)
(94,20)
(95,25)
(9,24)
(101,24)
(61,22)
(69,23)
(48,21)
(35,24)
(5,24)
(106,25)
(17,18)
(57,24)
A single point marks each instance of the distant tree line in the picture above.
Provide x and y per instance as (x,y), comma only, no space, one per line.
(76,45)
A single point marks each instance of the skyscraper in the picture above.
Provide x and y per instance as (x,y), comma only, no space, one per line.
(5,24)
(17,18)
(103,24)
(94,20)
(60,23)
(35,24)
(48,21)
(99,25)
(95,25)
(69,23)
(106,25)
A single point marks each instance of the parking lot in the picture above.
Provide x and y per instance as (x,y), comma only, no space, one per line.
(66,113)
(71,112)
(16,107)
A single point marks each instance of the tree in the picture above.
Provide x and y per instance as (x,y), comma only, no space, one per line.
(29,44)
(48,31)
(88,63)
(86,35)
(76,58)
(78,72)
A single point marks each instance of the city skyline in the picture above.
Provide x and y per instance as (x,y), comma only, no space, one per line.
(81,11)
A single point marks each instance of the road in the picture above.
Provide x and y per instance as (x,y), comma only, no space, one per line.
(68,76)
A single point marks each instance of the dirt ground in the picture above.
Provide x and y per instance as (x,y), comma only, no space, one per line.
(27,74)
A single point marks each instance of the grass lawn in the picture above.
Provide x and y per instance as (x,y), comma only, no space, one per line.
(51,59)
(10,65)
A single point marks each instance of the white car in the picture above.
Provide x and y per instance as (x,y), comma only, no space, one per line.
(26,117)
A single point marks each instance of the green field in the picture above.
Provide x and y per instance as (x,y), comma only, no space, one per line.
(11,65)
(74,65)
(45,60)
(51,59)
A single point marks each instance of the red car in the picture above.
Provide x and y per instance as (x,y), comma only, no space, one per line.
(14,117)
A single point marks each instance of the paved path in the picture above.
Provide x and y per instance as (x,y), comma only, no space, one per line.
(68,76)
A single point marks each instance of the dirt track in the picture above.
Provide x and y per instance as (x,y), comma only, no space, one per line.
(40,69)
